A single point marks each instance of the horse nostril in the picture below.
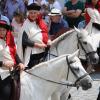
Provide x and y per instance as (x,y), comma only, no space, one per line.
(95,60)
(89,85)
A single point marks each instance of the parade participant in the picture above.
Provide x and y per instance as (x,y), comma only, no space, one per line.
(8,56)
(91,4)
(33,38)
(17,23)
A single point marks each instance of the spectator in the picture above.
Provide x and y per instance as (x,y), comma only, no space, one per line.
(58,25)
(72,11)
(17,23)
(91,4)
(4,18)
(2,6)
(54,4)
(40,2)
(13,6)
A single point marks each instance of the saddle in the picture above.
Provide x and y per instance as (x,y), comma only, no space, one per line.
(10,86)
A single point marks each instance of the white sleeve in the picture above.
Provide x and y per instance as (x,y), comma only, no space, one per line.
(57,5)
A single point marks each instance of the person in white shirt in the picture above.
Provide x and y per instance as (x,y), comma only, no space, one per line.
(54,4)
(17,23)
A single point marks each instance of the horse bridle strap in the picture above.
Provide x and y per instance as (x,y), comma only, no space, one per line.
(86,53)
(59,83)
(91,52)
(80,78)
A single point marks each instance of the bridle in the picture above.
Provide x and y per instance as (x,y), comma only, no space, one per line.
(78,38)
(86,53)
(61,83)
(69,67)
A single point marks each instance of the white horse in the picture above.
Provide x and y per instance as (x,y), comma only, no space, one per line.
(72,40)
(93,27)
(68,43)
(60,70)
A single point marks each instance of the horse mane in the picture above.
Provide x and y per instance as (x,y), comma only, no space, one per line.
(49,62)
(62,37)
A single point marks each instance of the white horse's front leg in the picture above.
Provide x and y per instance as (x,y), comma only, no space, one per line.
(65,93)
(55,96)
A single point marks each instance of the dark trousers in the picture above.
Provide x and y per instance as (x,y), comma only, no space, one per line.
(35,59)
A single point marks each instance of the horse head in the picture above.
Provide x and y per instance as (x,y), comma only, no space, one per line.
(82,77)
(86,43)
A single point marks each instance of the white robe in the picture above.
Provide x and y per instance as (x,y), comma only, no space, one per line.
(34,34)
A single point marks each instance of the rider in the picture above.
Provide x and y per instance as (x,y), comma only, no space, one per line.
(33,38)
(91,4)
(8,56)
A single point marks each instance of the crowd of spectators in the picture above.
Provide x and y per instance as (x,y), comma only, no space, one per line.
(72,13)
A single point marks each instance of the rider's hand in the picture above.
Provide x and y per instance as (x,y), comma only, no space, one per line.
(8,64)
(21,66)
(49,43)
(38,45)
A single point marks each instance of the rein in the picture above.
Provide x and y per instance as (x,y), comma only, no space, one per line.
(60,83)
(51,81)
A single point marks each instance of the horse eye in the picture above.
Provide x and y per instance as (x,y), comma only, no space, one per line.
(84,42)
(71,62)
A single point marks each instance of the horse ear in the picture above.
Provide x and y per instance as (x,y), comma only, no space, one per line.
(77,30)
(70,57)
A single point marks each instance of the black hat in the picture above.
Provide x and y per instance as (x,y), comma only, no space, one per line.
(5,25)
(33,6)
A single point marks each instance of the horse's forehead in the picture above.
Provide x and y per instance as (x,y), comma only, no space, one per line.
(76,61)
(83,33)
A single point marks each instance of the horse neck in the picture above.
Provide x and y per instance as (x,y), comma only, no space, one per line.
(91,30)
(55,70)
(96,40)
(66,45)
(89,27)
(95,31)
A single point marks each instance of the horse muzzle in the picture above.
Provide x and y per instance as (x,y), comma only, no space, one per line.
(86,87)
(86,83)
(94,59)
